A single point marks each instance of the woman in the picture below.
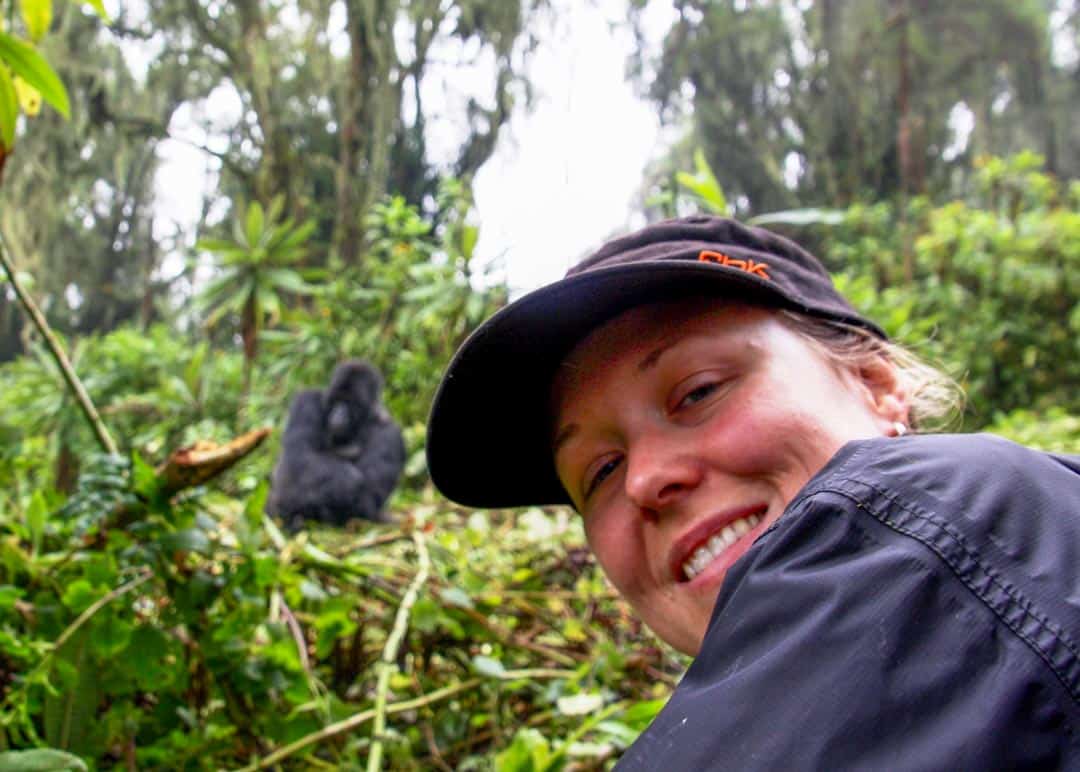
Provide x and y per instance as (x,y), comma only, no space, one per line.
(732,432)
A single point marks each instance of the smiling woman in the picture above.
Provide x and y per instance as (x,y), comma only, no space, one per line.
(732,431)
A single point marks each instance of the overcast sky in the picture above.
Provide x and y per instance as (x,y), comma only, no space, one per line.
(563,176)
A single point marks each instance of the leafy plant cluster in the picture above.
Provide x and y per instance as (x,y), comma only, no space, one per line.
(987,286)
(406,309)
(198,637)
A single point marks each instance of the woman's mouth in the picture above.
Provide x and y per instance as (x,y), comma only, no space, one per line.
(718,544)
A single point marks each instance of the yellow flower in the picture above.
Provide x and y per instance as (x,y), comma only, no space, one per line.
(29,97)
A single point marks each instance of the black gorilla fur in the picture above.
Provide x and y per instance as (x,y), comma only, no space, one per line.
(342,453)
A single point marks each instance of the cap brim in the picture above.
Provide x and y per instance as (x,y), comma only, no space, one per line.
(488,442)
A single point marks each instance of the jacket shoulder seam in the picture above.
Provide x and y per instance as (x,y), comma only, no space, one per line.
(1008,604)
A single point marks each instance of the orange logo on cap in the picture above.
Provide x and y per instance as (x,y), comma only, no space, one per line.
(758,269)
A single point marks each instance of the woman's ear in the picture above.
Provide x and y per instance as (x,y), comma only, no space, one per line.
(885,394)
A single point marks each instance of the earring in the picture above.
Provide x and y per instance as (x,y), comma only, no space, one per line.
(899,428)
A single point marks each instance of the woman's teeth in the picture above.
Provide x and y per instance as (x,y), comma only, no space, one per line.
(710,550)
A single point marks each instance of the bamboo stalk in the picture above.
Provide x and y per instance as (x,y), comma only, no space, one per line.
(393,646)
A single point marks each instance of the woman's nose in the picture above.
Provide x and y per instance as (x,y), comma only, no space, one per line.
(659,472)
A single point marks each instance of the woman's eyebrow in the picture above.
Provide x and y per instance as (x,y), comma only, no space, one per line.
(561,438)
(653,356)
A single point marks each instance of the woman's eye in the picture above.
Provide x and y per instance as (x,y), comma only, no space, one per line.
(602,474)
(697,394)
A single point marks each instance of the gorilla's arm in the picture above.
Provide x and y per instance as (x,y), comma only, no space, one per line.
(381,457)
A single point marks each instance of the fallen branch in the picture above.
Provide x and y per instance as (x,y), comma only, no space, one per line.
(205,460)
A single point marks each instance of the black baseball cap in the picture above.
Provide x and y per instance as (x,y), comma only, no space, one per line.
(489,434)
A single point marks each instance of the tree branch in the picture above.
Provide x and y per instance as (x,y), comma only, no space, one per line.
(57,352)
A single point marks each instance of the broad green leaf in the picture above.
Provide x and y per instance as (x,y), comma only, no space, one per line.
(619,731)
(529,752)
(287,240)
(215,245)
(36,514)
(32,67)
(704,185)
(289,280)
(110,635)
(254,508)
(639,715)
(145,657)
(9,593)
(469,236)
(143,477)
(9,108)
(277,206)
(809,216)
(269,305)
(79,595)
(189,540)
(40,760)
(254,224)
(37,15)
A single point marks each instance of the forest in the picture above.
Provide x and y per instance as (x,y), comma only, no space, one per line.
(153,616)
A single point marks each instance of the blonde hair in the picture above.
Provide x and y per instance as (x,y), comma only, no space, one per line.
(936,401)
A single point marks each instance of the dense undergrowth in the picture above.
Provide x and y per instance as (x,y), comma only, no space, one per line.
(199,637)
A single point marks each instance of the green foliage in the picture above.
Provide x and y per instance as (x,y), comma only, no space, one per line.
(26,77)
(254,270)
(1054,429)
(830,103)
(28,64)
(196,637)
(406,308)
(986,286)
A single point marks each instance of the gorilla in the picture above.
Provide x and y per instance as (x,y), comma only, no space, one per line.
(342,453)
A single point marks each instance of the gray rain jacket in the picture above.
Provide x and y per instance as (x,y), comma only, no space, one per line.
(917,607)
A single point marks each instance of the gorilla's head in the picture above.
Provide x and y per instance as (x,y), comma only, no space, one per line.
(351,399)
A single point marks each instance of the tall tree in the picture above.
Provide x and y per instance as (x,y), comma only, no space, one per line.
(333,112)
(813,103)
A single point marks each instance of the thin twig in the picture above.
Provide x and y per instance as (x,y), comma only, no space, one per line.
(537,672)
(297,635)
(359,718)
(393,645)
(96,606)
(57,351)
(433,748)
(507,637)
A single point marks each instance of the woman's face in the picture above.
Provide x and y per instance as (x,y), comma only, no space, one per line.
(683,430)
